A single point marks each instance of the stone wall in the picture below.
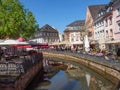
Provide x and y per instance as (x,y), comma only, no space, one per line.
(32,66)
(26,78)
(113,74)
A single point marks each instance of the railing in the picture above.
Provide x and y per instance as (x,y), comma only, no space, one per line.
(115,64)
(10,68)
(19,65)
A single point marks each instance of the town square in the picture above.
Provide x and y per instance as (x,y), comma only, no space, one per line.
(59,45)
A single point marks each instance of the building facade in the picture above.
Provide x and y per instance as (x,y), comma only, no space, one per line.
(107,26)
(61,37)
(91,15)
(72,33)
(114,44)
(99,29)
(116,16)
(46,34)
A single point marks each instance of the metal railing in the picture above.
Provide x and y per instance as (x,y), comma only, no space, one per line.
(19,65)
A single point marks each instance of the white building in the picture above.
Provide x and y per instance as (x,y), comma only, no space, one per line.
(72,33)
(46,34)
(99,29)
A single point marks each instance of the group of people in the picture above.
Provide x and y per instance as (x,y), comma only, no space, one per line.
(105,53)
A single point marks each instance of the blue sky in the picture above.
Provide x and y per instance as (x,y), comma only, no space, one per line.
(59,13)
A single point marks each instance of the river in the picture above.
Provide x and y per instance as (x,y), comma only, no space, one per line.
(59,75)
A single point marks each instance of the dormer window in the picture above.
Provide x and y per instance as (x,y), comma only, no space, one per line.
(101,13)
(109,9)
(118,11)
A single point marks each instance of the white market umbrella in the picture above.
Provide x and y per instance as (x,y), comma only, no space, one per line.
(12,42)
(86,43)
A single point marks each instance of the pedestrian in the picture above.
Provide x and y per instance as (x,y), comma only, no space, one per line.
(118,54)
(1,53)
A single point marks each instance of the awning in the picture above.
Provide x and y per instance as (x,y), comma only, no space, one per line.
(23,46)
(43,45)
(61,43)
(94,42)
(64,43)
(12,42)
(113,42)
(77,43)
(54,44)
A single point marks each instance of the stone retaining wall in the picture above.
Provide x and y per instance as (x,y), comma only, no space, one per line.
(24,79)
(102,69)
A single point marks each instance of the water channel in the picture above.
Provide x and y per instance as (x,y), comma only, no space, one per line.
(60,75)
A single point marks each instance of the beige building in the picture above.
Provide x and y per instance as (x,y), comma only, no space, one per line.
(72,33)
(91,14)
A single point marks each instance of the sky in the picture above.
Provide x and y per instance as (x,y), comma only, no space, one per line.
(59,13)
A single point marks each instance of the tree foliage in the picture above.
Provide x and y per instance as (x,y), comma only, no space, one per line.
(15,21)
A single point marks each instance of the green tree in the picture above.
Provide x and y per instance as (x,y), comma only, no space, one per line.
(15,21)
(30,26)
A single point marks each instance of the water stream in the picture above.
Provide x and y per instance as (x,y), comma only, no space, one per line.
(71,76)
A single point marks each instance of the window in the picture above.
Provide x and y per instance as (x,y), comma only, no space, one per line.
(70,28)
(72,37)
(107,35)
(106,23)
(110,20)
(118,11)
(75,28)
(77,37)
(118,26)
(98,34)
(56,34)
(111,33)
(44,34)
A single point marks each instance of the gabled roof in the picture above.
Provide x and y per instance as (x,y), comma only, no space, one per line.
(94,9)
(48,28)
(77,23)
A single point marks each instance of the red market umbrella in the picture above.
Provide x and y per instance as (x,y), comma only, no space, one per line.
(20,39)
(23,46)
(43,46)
